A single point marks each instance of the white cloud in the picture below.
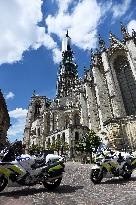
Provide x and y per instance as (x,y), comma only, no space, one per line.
(63,5)
(44,39)
(18,117)
(82,22)
(18,113)
(10,95)
(120,9)
(19,30)
(17,129)
(131,25)
(57,55)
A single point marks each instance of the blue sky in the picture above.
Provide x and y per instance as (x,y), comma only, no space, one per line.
(31,32)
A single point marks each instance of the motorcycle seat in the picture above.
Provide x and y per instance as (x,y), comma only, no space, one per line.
(38,165)
(40,161)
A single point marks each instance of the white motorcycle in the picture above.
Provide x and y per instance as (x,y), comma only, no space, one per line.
(26,170)
(110,164)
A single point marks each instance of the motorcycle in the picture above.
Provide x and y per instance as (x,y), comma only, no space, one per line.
(27,170)
(111,164)
(132,162)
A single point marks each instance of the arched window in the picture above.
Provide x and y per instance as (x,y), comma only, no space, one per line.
(48,143)
(53,139)
(58,137)
(127,83)
(76,137)
(38,131)
(76,119)
(66,121)
(63,137)
(37,109)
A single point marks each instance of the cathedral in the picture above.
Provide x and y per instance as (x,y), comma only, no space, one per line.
(103,100)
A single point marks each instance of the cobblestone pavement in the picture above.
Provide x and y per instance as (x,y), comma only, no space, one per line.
(75,189)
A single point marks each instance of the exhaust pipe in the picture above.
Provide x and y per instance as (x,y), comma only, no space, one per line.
(52,178)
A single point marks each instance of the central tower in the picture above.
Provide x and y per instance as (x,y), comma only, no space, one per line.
(67,75)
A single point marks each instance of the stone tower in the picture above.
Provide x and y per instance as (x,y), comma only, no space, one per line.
(65,111)
(64,118)
(67,75)
(36,121)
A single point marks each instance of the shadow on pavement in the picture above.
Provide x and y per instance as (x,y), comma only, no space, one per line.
(32,191)
(67,189)
(118,181)
(132,179)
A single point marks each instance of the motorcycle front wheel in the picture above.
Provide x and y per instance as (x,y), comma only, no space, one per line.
(3,182)
(96,176)
(52,184)
(127,172)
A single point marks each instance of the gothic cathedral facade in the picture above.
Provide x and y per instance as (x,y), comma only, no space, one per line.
(103,100)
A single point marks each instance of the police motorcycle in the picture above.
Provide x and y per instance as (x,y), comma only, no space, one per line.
(110,164)
(132,161)
(26,170)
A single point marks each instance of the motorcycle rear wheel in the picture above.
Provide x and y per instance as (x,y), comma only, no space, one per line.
(96,176)
(3,183)
(126,176)
(52,184)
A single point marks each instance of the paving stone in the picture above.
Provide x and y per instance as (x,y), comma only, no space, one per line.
(75,189)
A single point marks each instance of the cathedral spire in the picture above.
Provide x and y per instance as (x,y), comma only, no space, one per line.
(124,32)
(134,36)
(67,75)
(67,34)
(66,43)
(34,93)
(113,39)
(101,43)
(91,57)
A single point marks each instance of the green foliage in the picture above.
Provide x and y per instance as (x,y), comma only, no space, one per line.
(59,145)
(92,142)
(34,149)
(79,146)
(89,143)
(48,145)
(53,147)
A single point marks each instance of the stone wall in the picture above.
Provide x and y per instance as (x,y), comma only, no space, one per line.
(102,96)
(122,133)
(92,107)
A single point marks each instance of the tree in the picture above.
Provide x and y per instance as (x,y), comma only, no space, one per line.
(92,143)
(35,149)
(53,146)
(48,145)
(88,144)
(59,146)
(79,146)
(64,147)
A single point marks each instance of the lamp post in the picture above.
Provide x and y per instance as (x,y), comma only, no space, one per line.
(84,148)
(84,145)
(61,149)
